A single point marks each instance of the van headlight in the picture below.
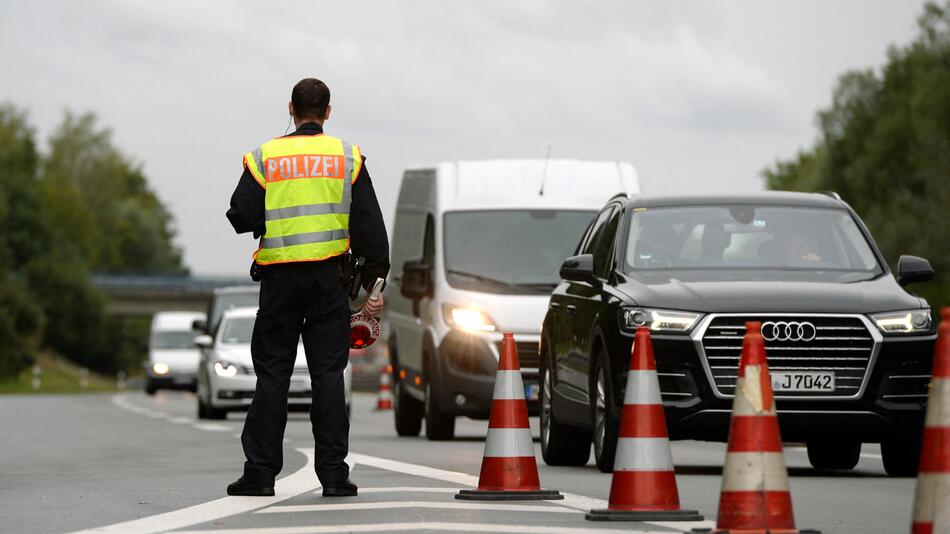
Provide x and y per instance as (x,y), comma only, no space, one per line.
(657,320)
(904,322)
(226,369)
(467,318)
(160,368)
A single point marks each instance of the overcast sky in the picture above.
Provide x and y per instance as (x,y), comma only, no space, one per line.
(699,96)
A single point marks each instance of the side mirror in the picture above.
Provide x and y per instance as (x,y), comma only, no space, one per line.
(578,268)
(911,269)
(416,280)
(200,325)
(204,342)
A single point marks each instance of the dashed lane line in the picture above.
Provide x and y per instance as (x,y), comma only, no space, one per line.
(212,427)
(301,481)
(425,526)
(497,507)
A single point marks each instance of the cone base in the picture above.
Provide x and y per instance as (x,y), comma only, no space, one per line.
(754,531)
(487,495)
(643,515)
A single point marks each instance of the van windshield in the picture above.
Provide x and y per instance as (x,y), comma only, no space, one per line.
(174,339)
(510,251)
(749,237)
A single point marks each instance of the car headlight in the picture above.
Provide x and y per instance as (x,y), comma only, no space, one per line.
(160,368)
(226,369)
(467,319)
(904,322)
(657,320)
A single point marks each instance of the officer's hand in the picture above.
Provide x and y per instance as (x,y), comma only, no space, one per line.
(373,307)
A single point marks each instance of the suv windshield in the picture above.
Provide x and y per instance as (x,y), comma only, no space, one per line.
(223,302)
(510,251)
(237,330)
(174,339)
(748,237)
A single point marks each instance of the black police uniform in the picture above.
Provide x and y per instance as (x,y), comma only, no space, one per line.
(306,299)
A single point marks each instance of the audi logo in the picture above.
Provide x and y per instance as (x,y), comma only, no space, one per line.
(788,331)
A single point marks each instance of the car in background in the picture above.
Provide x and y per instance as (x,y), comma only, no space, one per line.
(849,349)
(172,356)
(475,252)
(226,378)
(228,298)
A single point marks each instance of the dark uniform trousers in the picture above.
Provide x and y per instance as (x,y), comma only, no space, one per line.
(299,299)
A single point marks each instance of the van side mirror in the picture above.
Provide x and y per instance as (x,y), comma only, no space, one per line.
(204,342)
(416,280)
(200,325)
(578,268)
(912,269)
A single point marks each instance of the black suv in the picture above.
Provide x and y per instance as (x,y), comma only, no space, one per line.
(849,349)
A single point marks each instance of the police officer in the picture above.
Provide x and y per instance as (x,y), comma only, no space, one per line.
(309,198)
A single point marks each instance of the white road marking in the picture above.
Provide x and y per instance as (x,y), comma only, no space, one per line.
(871,455)
(290,486)
(212,427)
(413,504)
(576,502)
(419,526)
(409,489)
(181,420)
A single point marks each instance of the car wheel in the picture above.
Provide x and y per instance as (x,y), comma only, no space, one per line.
(440,426)
(407,411)
(842,454)
(202,409)
(901,456)
(605,421)
(560,444)
(150,387)
(216,413)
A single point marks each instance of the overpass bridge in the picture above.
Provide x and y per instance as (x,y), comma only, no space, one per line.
(143,295)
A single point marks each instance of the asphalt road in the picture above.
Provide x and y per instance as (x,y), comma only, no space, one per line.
(131,463)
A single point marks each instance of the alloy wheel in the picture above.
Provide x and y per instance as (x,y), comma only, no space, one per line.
(600,412)
(545,407)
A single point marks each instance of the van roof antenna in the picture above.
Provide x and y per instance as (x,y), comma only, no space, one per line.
(544,173)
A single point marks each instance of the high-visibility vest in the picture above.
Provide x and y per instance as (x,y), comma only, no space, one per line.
(307,181)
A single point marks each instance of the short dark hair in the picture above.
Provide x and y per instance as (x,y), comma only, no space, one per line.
(310,98)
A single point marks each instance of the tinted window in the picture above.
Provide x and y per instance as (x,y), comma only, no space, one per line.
(604,244)
(408,234)
(748,237)
(510,251)
(593,234)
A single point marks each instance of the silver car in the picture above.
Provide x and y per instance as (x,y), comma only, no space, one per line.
(226,379)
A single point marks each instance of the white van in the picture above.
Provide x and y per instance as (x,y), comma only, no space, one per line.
(476,250)
(172,354)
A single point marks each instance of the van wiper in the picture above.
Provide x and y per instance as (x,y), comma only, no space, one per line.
(480,278)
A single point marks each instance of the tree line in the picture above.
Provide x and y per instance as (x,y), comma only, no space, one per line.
(79,206)
(884,146)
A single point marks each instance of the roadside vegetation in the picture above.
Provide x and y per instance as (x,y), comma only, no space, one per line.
(884,146)
(78,206)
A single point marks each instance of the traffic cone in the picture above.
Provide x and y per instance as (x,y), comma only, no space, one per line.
(643,487)
(932,503)
(384,398)
(509,467)
(755,495)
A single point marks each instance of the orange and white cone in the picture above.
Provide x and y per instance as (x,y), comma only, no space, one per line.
(643,487)
(755,496)
(509,467)
(384,397)
(932,504)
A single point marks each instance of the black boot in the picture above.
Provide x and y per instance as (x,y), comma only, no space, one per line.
(340,489)
(247,488)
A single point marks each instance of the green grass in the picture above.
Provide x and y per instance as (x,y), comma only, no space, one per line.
(58,376)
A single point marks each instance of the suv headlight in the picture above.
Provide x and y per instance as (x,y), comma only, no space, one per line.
(467,318)
(657,320)
(904,322)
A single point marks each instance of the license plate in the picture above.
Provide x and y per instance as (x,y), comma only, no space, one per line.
(803,381)
(531,391)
